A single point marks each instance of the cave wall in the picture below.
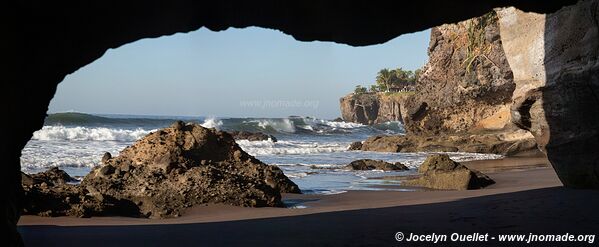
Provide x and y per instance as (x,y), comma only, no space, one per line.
(556,69)
(44,41)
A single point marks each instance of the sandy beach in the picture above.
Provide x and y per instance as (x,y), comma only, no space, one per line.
(527,197)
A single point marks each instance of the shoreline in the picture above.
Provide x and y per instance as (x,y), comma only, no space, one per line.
(508,173)
(524,199)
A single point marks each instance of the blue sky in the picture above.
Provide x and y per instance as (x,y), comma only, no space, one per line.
(250,72)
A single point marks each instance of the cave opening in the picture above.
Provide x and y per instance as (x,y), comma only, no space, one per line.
(72,46)
(253,79)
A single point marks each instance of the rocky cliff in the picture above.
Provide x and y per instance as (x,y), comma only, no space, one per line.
(462,100)
(467,84)
(372,108)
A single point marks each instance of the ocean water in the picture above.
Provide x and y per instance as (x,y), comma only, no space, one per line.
(310,151)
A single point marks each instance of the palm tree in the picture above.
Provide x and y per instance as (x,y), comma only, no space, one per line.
(383,79)
(403,76)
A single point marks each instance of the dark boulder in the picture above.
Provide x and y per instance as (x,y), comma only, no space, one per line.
(368,164)
(355,146)
(52,176)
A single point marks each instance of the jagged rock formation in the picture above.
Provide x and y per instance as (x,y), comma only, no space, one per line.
(467,84)
(368,164)
(35,66)
(372,108)
(185,165)
(438,171)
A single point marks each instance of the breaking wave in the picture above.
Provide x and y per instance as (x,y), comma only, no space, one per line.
(288,147)
(50,133)
(212,123)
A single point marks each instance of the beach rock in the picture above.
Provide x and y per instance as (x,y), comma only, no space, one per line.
(107,156)
(372,108)
(438,171)
(504,143)
(251,136)
(438,162)
(178,125)
(53,176)
(182,166)
(51,193)
(355,146)
(368,164)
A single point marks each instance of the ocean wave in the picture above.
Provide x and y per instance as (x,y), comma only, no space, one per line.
(285,126)
(89,120)
(333,124)
(50,133)
(280,125)
(41,163)
(288,147)
(212,123)
(390,127)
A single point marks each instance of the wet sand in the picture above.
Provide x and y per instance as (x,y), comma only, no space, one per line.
(527,197)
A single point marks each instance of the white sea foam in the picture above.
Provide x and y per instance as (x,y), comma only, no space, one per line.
(39,155)
(343,125)
(331,192)
(288,147)
(312,122)
(296,174)
(319,166)
(49,133)
(212,123)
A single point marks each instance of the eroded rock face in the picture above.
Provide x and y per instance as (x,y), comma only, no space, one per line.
(185,165)
(467,84)
(372,108)
(438,171)
(368,164)
(554,58)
